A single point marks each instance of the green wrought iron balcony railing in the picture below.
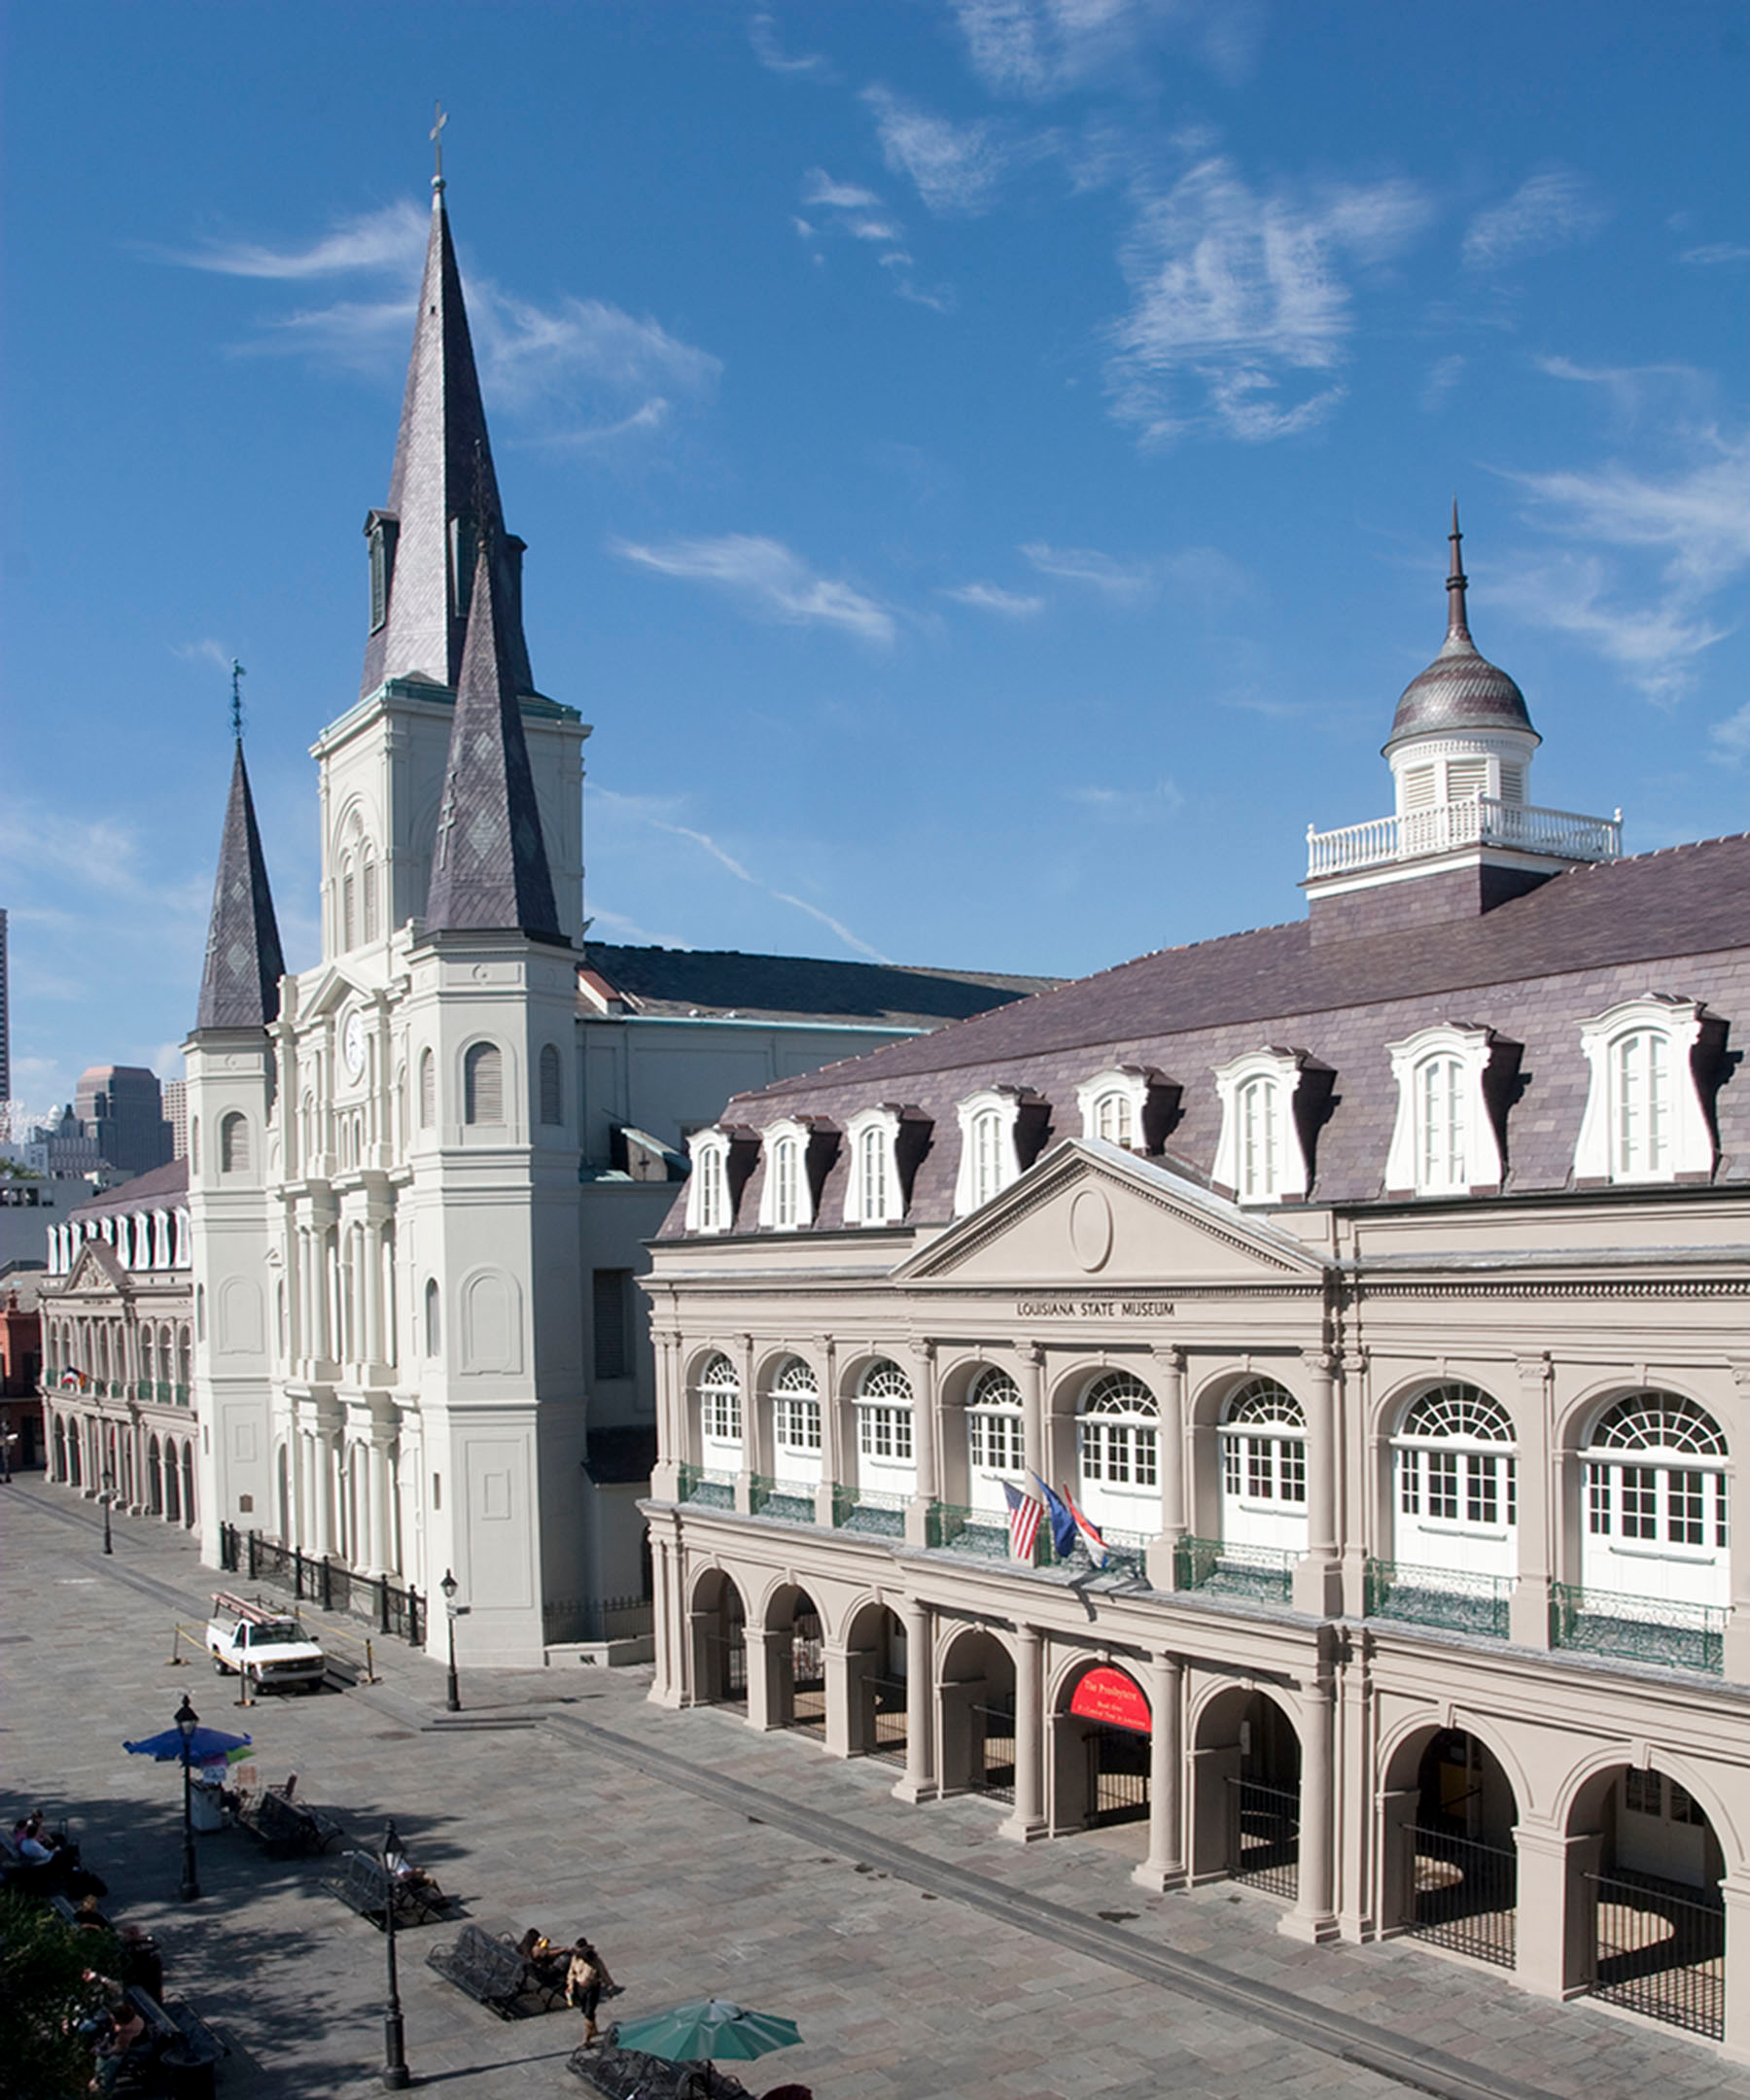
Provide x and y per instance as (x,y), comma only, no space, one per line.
(710,1490)
(793,1500)
(1455,1598)
(982,1533)
(1227,1568)
(1640,1629)
(873,1510)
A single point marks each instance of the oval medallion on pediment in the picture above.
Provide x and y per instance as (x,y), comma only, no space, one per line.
(1090,1229)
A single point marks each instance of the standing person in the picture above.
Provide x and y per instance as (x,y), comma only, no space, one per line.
(585,1979)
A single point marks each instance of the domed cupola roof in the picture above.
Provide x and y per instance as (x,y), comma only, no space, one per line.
(1460,690)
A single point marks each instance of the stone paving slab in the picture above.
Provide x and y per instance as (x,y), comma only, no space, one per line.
(925,1958)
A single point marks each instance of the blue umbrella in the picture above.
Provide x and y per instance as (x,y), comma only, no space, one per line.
(206,1746)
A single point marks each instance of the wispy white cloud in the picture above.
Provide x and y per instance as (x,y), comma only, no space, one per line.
(769,576)
(768,48)
(993,598)
(1035,49)
(1129,581)
(1711,254)
(206,650)
(820,189)
(389,241)
(1548,211)
(1697,518)
(660,817)
(1731,737)
(1126,805)
(956,168)
(1234,293)
(849,210)
(1443,376)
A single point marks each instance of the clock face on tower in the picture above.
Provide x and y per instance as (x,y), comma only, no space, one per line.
(352,1044)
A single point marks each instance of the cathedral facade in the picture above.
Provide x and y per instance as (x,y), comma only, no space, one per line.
(1282,1397)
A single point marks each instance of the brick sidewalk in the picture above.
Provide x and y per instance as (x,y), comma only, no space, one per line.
(924,1957)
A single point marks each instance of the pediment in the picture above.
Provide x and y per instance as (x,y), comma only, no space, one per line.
(96,1267)
(331,991)
(1091,1213)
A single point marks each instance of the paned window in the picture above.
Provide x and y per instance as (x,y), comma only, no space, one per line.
(786,1182)
(1450,1467)
(883,1412)
(872,1176)
(1655,1497)
(483,1084)
(1260,1141)
(1263,1445)
(1439,1099)
(995,1440)
(1118,1432)
(719,1401)
(1641,1069)
(988,1142)
(233,1145)
(1114,1119)
(714,1211)
(796,1407)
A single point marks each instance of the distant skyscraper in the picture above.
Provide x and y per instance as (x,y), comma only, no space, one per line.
(176,1114)
(5,1022)
(121,1107)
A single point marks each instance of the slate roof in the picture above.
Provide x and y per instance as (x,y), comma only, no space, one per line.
(1675,921)
(163,1189)
(489,867)
(677,982)
(239,984)
(443,473)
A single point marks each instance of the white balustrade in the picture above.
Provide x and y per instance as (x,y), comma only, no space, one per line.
(1478,820)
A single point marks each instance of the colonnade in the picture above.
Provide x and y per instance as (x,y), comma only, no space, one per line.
(150,1466)
(341,1303)
(340,1488)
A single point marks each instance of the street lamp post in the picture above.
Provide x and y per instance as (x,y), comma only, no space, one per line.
(449,1586)
(186,1722)
(109,1482)
(396,2074)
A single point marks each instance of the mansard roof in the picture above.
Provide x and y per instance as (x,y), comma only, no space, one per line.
(687,983)
(163,1189)
(239,986)
(1530,969)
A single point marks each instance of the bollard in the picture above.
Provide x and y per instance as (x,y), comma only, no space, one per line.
(176,1653)
(370,1676)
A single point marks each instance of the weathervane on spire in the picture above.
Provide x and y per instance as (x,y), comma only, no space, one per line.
(1456,580)
(239,675)
(437,144)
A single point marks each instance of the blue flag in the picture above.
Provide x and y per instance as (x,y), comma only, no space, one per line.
(1063,1523)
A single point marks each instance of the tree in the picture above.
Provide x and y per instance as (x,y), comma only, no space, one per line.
(47,1987)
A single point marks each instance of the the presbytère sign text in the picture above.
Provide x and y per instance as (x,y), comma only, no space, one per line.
(1093,1308)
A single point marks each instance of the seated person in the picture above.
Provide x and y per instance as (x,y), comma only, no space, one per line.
(127,2035)
(89,1917)
(422,1884)
(549,1960)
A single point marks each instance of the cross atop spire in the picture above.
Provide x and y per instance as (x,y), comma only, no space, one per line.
(438,183)
(239,675)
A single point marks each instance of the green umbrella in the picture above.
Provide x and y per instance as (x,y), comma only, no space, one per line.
(711,2027)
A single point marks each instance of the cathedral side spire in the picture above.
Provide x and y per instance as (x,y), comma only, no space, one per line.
(240,984)
(489,864)
(423,542)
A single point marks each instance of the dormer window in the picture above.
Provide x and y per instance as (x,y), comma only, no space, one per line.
(1645,1118)
(991,1144)
(1115,1105)
(787,1200)
(1443,1142)
(872,1194)
(1260,1158)
(382,528)
(708,1208)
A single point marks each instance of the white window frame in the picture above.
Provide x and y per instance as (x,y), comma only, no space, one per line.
(1454,1482)
(1118,1083)
(1686,1143)
(707,1205)
(1643,1501)
(988,1160)
(785,1199)
(1262,1448)
(796,1401)
(875,1131)
(1287,1179)
(720,1404)
(1409,1170)
(885,1422)
(995,1438)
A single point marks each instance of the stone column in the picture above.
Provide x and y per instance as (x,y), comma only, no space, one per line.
(832,1456)
(665,1684)
(1529,1605)
(1313,1916)
(1027,1821)
(1165,1866)
(845,1669)
(923,1443)
(1170,1390)
(1319,1577)
(1033,1411)
(376,1547)
(1736,1657)
(1556,1928)
(326,1490)
(919,1781)
(767,1706)
(1734,1891)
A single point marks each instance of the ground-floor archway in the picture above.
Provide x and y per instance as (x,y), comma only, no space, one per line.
(1245,1770)
(1451,1859)
(1101,1747)
(977,1678)
(877,1684)
(720,1642)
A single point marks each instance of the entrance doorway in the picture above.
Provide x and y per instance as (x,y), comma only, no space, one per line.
(978,1716)
(1465,1863)
(1245,1802)
(1658,1937)
(720,1654)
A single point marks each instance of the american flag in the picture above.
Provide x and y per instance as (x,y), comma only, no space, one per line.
(1024,1522)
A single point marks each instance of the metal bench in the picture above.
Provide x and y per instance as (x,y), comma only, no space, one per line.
(362,1887)
(491,1972)
(624,2074)
(184,2047)
(288,1828)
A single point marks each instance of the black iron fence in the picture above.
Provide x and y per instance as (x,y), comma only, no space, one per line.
(1659,1949)
(886,1736)
(996,1768)
(1466,1896)
(1119,1774)
(1267,1838)
(391,1608)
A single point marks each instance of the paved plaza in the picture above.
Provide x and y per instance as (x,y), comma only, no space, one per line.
(924,1957)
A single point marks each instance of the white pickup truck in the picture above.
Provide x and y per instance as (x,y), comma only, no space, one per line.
(270,1645)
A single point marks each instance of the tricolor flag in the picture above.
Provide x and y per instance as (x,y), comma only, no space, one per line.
(1062,1524)
(1023,1522)
(1098,1550)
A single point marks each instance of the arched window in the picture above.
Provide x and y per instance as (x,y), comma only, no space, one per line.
(483,1084)
(428,1089)
(719,1403)
(872,1150)
(195,1145)
(1260,1110)
(883,1418)
(434,1319)
(1657,1523)
(1440,1103)
(1646,1114)
(1264,1467)
(795,1412)
(1115,1119)
(551,1096)
(367,883)
(1117,1435)
(995,1441)
(708,1197)
(787,1177)
(1640,1076)
(1457,1484)
(988,1146)
(348,904)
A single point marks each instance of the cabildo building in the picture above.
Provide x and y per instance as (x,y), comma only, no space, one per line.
(1376,1285)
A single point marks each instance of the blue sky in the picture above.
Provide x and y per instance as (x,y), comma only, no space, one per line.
(985,462)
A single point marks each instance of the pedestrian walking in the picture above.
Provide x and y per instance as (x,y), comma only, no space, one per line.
(585,1979)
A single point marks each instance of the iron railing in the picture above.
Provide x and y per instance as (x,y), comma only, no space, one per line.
(1659,1949)
(996,1775)
(979,1533)
(1641,1629)
(792,1500)
(1466,1896)
(706,1488)
(1265,1572)
(1478,820)
(869,1509)
(887,1718)
(596,1619)
(1455,1598)
(1267,1837)
(392,1607)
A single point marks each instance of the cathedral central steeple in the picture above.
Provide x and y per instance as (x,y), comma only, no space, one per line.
(423,543)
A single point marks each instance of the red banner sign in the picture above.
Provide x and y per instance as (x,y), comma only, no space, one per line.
(1110,1697)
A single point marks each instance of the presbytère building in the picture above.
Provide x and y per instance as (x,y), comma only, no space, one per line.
(1376,1285)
